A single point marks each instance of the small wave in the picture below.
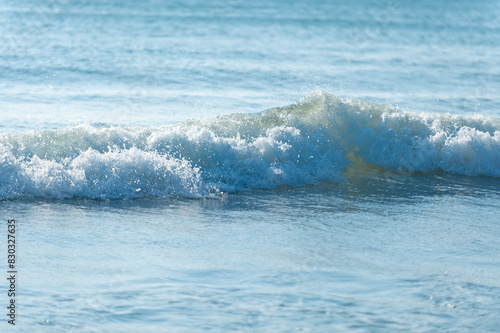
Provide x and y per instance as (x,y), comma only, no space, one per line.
(310,142)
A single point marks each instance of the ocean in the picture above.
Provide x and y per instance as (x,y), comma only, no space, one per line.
(264,166)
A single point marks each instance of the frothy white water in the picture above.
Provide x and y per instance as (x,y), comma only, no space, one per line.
(310,142)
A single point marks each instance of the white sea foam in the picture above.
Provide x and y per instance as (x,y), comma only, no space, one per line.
(309,142)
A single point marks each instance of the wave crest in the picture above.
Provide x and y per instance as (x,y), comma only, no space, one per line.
(310,142)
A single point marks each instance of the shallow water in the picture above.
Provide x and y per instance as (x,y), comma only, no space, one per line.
(385,253)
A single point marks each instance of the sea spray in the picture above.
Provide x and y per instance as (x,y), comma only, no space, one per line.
(310,142)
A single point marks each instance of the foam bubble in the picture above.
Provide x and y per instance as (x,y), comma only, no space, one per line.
(310,142)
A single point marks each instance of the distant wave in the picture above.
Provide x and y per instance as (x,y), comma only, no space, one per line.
(310,142)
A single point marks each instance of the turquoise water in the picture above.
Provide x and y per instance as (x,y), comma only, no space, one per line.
(252,167)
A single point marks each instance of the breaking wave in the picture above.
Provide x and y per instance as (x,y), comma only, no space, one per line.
(310,142)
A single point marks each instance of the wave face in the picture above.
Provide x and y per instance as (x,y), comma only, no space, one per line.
(310,142)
